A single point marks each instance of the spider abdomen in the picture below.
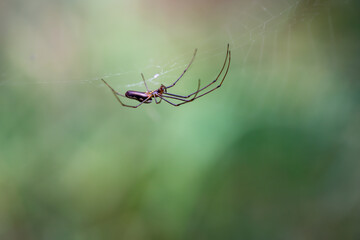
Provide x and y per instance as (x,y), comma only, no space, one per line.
(139,96)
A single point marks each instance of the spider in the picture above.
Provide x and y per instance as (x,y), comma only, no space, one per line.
(161,92)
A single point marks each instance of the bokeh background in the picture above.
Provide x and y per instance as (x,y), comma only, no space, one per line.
(272,154)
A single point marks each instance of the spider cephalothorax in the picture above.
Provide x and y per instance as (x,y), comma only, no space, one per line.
(162,89)
(161,92)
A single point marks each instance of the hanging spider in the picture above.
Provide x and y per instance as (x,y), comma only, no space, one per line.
(161,92)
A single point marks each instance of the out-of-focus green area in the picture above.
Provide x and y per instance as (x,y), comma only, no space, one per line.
(272,154)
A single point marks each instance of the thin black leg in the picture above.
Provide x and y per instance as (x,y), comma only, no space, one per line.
(176,98)
(180,98)
(226,57)
(169,102)
(184,70)
(227,69)
(142,75)
(115,92)
(185,101)
(156,101)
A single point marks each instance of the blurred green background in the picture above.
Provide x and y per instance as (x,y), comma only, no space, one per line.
(272,154)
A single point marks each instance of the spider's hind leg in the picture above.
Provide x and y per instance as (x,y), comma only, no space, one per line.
(114,92)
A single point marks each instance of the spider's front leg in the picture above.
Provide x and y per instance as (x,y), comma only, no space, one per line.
(184,100)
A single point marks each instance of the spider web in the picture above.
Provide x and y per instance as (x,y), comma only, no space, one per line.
(248,28)
(253,30)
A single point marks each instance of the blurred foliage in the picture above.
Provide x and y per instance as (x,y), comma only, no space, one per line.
(273,154)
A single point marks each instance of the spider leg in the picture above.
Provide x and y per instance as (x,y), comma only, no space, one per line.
(156,101)
(114,92)
(227,69)
(226,57)
(123,104)
(142,75)
(180,98)
(185,100)
(184,70)
(169,102)
(176,98)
